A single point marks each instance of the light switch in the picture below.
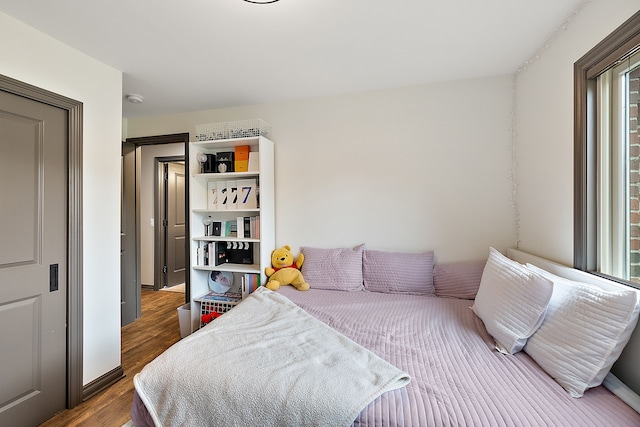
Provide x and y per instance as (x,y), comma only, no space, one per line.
(151,222)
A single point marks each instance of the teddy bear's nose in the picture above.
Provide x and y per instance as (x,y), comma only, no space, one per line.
(282,259)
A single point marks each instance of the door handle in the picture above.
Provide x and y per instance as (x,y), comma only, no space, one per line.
(53,277)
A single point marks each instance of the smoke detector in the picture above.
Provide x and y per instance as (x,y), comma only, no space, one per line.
(135,98)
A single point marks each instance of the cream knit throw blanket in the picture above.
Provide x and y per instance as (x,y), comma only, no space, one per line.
(268,363)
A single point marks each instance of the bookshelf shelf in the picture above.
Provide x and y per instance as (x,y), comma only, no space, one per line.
(215,211)
(224,239)
(226,175)
(247,255)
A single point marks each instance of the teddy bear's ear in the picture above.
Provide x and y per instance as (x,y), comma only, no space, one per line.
(287,247)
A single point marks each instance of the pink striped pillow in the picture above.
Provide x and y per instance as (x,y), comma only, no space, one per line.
(398,273)
(337,269)
(458,279)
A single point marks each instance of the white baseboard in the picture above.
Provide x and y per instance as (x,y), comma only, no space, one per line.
(625,394)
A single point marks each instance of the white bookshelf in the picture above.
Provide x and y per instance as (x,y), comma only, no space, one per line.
(198,209)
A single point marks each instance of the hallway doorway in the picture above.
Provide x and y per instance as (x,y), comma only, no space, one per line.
(170,218)
(143,248)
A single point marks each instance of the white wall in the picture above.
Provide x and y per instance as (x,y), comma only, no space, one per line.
(544,143)
(409,169)
(147,204)
(37,59)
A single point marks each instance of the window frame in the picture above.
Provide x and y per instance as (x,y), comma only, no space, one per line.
(621,43)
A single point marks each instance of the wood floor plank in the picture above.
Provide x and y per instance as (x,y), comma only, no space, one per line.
(142,341)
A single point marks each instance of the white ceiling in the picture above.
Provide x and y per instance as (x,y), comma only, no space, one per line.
(190,55)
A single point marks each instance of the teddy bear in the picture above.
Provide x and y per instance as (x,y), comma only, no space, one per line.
(285,270)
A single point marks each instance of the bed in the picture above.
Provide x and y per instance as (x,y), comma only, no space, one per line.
(440,352)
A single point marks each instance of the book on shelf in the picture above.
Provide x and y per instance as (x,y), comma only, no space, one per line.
(247,194)
(216,253)
(209,254)
(247,226)
(225,228)
(252,227)
(254,161)
(212,195)
(232,194)
(210,251)
(240,227)
(228,296)
(222,195)
(250,282)
(231,229)
(219,253)
(201,254)
(232,191)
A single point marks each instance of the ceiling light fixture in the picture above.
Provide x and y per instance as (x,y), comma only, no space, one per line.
(135,98)
(261,1)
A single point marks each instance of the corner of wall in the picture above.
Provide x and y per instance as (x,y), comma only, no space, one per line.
(125,123)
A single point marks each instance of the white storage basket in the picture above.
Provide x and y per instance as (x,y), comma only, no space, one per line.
(213,306)
(248,128)
(212,131)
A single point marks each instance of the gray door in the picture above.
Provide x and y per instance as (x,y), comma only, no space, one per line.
(130,308)
(175,230)
(33,260)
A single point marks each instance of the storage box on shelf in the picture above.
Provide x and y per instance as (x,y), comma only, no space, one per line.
(243,246)
(210,309)
(248,128)
(236,129)
(211,131)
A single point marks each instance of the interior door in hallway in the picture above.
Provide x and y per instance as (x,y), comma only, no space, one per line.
(33,260)
(175,220)
(130,296)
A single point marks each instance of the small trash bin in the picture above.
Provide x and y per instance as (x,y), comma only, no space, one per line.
(184,319)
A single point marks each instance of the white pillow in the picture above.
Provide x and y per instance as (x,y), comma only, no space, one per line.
(511,301)
(585,330)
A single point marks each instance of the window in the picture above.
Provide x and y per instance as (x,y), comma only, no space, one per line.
(618,174)
(607,156)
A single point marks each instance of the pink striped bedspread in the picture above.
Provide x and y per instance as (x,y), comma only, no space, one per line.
(457,377)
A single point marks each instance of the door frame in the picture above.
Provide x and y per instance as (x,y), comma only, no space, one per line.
(168,139)
(74,337)
(160,248)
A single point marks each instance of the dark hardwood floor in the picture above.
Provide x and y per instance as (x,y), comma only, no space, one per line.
(142,341)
